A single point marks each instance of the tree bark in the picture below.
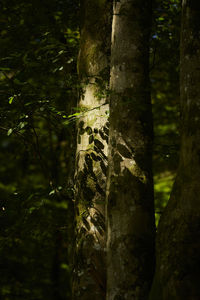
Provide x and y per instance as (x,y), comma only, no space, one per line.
(91,155)
(178,243)
(130,209)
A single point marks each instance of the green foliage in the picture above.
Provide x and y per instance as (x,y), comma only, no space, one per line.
(162,189)
(164,60)
(38,87)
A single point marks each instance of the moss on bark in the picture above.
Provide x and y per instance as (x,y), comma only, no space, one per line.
(91,157)
(130,210)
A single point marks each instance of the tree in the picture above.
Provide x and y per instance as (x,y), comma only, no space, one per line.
(178,264)
(91,154)
(38,88)
(130,209)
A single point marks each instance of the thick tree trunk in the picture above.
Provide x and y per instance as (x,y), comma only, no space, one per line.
(178,244)
(130,209)
(91,155)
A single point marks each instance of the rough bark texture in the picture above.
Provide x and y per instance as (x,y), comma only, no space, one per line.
(178,243)
(91,155)
(130,211)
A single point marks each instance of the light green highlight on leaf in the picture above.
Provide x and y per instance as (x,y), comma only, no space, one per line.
(9,131)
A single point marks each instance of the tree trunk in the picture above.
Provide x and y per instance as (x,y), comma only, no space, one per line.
(91,155)
(130,209)
(178,243)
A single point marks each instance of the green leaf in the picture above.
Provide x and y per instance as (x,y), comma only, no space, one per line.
(74,115)
(66,122)
(22,125)
(65,267)
(4,69)
(52,192)
(9,131)
(11,99)
(31,209)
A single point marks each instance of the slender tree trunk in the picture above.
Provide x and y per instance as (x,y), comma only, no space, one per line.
(178,243)
(91,156)
(130,209)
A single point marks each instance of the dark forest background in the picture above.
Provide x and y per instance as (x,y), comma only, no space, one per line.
(39,88)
